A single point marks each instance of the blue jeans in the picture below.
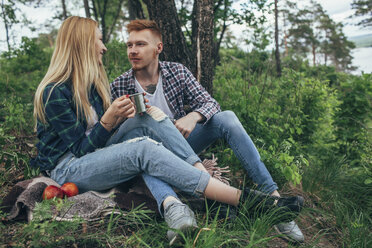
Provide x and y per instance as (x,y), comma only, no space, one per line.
(227,126)
(130,152)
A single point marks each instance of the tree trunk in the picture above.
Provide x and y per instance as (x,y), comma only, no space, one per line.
(164,13)
(135,10)
(314,53)
(217,45)
(7,36)
(4,16)
(115,19)
(95,12)
(107,13)
(86,8)
(277,53)
(102,13)
(203,44)
(64,11)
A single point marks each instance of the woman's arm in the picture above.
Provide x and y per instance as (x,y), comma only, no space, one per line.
(121,109)
(63,119)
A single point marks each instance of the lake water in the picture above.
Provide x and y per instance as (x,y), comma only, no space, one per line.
(362,59)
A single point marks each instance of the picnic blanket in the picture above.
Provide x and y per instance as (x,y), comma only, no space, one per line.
(20,202)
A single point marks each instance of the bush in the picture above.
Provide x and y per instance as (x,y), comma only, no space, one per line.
(116,60)
(353,122)
(291,118)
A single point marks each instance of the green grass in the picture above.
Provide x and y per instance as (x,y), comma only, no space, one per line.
(290,120)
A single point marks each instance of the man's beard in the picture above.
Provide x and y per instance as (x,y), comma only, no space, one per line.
(137,68)
(141,67)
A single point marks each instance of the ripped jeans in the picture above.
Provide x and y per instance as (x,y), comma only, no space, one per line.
(135,149)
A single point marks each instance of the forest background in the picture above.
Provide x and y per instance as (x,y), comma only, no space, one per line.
(293,91)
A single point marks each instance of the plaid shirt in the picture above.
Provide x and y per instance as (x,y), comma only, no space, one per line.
(180,89)
(63,131)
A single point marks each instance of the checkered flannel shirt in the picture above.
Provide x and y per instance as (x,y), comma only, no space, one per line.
(63,131)
(180,89)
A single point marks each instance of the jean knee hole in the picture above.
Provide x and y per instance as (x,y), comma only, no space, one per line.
(156,114)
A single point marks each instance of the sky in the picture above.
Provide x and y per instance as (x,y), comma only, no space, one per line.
(339,11)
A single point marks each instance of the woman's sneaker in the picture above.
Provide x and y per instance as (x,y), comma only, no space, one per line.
(178,216)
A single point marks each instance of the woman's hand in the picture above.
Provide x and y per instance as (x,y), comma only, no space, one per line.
(121,109)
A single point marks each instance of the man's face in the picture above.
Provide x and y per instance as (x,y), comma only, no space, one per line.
(143,49)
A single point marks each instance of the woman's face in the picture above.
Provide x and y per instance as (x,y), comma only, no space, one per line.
(100,47)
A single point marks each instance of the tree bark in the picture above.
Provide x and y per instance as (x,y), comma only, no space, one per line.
(135,10)
(164,13)
(277,53)
(86,8)
(203,45)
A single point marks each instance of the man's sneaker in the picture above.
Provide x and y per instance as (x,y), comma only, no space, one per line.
(286,208)
(223,210)
(290,231)
(179,217)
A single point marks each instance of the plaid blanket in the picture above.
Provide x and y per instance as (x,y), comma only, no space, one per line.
(20,202)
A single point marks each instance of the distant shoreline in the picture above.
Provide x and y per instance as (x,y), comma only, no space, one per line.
(361,41)
(362,59)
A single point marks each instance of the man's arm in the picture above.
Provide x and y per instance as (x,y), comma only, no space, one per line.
(202,105)
(187,123)
(198,98)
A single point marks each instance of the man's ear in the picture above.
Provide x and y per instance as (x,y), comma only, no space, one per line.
(159,48)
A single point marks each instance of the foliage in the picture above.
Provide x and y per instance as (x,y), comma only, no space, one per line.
(116,60)
(363,8)
(44,230)
(346,198)
(23,68)
(353,121)
(310,30)
(290,118)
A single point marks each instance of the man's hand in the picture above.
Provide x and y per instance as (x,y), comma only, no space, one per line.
(187,123)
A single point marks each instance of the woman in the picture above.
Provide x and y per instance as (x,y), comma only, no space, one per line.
(85,139)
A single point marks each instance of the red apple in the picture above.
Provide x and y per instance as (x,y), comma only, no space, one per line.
(52,191)
(70,189)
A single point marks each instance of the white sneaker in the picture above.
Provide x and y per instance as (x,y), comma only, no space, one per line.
(290,231)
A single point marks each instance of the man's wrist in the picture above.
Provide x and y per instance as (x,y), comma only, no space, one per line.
(197,117)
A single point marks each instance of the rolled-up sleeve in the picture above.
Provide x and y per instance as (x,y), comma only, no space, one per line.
(199,99)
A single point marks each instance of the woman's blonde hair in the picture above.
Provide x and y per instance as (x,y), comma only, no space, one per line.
(75,59)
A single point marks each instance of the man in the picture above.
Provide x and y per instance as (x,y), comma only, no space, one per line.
(170,86)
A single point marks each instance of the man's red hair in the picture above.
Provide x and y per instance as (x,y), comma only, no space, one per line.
(138,25)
